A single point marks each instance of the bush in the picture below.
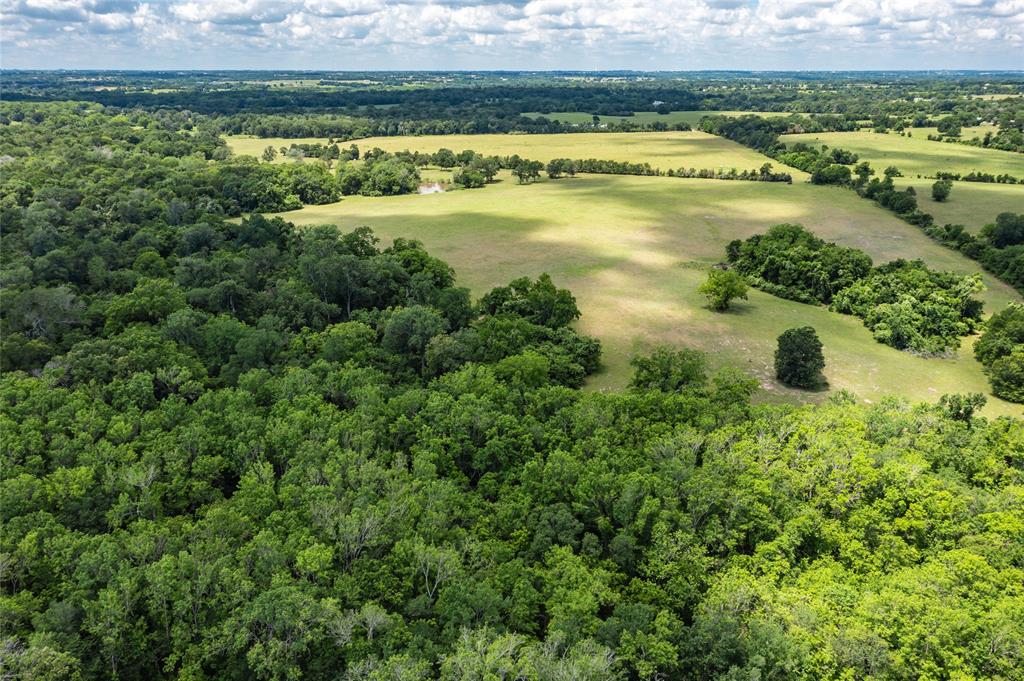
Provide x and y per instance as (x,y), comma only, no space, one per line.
(941,189)
(798,358)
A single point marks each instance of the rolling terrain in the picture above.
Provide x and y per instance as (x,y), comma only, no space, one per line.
(917,155)
(634,250)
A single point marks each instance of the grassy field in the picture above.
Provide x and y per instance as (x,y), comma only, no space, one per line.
(644,117)
(917,155)
(661,149)
(999,96)
(965,133)
(634,250)
(972,204)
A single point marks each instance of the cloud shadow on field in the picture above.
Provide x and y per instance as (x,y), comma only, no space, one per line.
(634,250)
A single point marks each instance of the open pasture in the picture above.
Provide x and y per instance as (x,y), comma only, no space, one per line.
(917,155)
(966,133)
(635,249)
(971,204)
(662,150)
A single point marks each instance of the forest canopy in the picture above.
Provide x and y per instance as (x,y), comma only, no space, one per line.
(234,448)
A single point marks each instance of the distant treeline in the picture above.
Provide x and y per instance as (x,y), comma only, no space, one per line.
(1003,257)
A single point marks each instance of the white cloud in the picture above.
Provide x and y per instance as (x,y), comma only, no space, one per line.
(515,33)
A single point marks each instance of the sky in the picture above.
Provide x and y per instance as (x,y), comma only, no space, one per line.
(533,35)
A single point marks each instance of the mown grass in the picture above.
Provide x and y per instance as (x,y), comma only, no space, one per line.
(662,150)
(634,250)
(917,155)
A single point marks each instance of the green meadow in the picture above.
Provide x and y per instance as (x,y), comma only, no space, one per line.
(662,150)
(634,250)
(966,133)
(972,204)
(917,155)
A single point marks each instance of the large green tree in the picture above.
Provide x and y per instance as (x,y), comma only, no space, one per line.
(799,360)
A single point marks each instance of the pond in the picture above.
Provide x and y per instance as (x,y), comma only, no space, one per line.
(431,188)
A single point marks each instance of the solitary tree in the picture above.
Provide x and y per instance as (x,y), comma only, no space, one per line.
(798,359)
(721,287)
(269,154)
(940,190)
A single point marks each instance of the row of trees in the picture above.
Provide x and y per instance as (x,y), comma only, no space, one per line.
(998,247)
(476,169)
(977,176)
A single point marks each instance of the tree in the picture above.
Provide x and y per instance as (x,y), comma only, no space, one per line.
(832,174)
(669,370)
(445,158)
(1007,376)
(540,301)
(721,287)
(962,407)
(949,126)
(269,154)
(527,171)
(941,189)
(390,177)
(409,330)
(1007,230)
(469,178)
(1003,332)
(561,166)
(798,358)
(488,166)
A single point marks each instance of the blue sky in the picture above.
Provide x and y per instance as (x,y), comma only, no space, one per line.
(540,34)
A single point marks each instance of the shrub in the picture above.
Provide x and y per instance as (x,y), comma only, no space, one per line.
(941,189)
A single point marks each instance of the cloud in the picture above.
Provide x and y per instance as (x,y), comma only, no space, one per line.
(513,34)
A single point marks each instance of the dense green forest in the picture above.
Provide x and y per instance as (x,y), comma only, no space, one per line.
(237,449)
